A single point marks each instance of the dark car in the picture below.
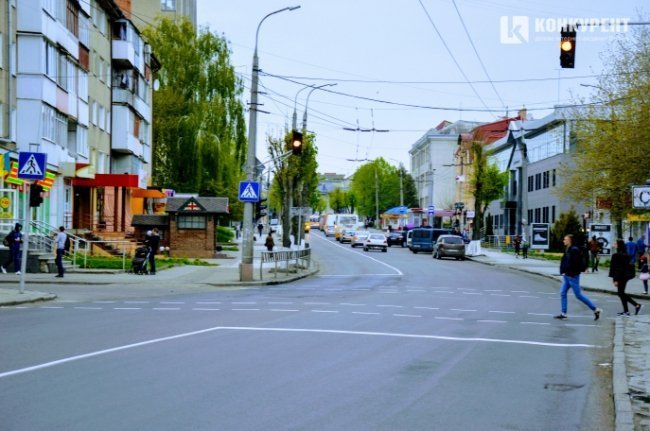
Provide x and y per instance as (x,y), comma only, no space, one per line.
(449,246)
(396,238)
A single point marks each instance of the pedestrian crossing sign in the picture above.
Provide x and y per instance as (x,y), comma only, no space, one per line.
(249,191)
(32,166)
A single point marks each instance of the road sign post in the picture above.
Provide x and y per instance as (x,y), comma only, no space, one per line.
(31,166)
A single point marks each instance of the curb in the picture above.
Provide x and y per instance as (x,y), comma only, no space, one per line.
(621,392)
(37,298)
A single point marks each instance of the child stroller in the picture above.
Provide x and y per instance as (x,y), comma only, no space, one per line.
(140,260)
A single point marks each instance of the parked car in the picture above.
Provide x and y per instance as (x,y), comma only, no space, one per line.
(376,241)
(424,238)
(347,236)
(396,238)
(359,238)
(409,238)
(449,246)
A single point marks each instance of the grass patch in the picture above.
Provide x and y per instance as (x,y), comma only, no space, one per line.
(107,262)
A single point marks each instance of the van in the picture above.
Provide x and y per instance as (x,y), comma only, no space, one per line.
(422,239)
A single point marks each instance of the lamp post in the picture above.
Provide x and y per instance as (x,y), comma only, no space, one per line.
(246,266)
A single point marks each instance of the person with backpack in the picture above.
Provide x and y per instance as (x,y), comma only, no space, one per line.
(571,265)
(61,239)
(621,271)
(13,241)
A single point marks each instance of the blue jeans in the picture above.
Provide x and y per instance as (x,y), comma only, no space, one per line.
(59,260)
(573,282)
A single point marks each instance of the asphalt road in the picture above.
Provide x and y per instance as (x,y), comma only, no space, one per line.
(376,341)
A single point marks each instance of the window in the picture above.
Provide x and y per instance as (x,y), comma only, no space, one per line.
(168,5)
(553,211)
(191,222)
(62,72)
(545,179)
(61,130)
(48,127)
(530,216)
(553,177)
(72,18)
(538,215)
(538,181)
(545,215)
(51,57)
(101,118)
(82,141)
(84,31)
(531,183)
(83,86)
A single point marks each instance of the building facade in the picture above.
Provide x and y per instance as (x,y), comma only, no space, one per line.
(144,12)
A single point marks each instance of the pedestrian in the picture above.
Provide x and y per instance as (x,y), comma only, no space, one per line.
(269,242)
(13,241)
(260,228)
(524,248)
(621,271)
(60,241)
(594,250)
(570,268)
(517,244)
(631,248)
(645,272)
(152,240)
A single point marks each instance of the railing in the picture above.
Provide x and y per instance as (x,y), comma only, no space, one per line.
(286,256)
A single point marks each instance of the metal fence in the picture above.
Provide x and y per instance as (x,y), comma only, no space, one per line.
(300,258)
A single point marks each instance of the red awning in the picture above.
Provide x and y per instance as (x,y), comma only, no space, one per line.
(107,180)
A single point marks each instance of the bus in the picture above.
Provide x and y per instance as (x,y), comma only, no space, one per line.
(343,222)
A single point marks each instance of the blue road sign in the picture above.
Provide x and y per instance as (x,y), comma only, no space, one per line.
(32,166)
(431,209)
(249,191)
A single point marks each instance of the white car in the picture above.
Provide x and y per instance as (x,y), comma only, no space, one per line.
(359,238)
(376,241)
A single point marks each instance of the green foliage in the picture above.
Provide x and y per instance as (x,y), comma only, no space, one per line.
(107,262)
(199,130)
(488,184)
(379,181)
(224,234)
(567,223)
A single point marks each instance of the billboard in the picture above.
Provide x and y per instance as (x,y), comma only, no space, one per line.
(603,233)
(539,236)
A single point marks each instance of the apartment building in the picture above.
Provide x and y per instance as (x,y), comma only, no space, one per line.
(144,12)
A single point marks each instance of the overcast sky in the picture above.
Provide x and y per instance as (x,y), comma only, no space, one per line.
(406,65)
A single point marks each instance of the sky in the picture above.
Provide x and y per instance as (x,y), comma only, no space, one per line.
(402,67)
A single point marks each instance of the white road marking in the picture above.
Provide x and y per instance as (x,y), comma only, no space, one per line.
(492,321)
(366,312)
(165,309)
(498,294)
(208,302)
(243,302)
(351,250)
(494,290)
(534,323)
(288,330)
(580,324)
(50,307)
(472,293)
(539,314)
(389,306)
(280,302)
(502,312)
(324,311)
(317,303)
(282,309)
(104,302)
(88,308)
(171,302)
(448,318)
(206,309)
(519,291)
(461,309)
(350,304)
(127,308)
(426,308)
(245,309)
(529,296)
(406,315)
(136,302)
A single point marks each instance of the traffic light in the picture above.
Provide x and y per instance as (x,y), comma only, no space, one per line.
(568,47)
(296,143)
(260,208)
(35,198)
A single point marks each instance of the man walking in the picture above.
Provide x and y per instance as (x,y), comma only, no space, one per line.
(152,240)
(15,238)
(570,268)
(60,250)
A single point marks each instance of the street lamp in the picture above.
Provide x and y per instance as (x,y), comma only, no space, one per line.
(246,267)
(304,115)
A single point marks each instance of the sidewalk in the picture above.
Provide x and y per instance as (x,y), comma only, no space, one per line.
(631,349)
(631,368)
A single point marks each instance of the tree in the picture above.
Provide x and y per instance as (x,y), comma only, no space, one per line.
(567,223)
(488,184)
(612,137)
(199,130)
(295,182)
(379,175)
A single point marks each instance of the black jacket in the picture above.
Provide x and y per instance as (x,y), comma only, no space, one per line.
(570,263)
(620,268)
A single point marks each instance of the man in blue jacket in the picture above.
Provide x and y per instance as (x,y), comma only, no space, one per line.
(570,267)
(632,249)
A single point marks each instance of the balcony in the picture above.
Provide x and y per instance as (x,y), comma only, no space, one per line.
(123,54)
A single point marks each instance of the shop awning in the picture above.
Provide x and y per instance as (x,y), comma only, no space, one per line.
(148,193)
(108,180)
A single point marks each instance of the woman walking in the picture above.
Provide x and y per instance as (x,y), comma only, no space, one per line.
(621,270)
